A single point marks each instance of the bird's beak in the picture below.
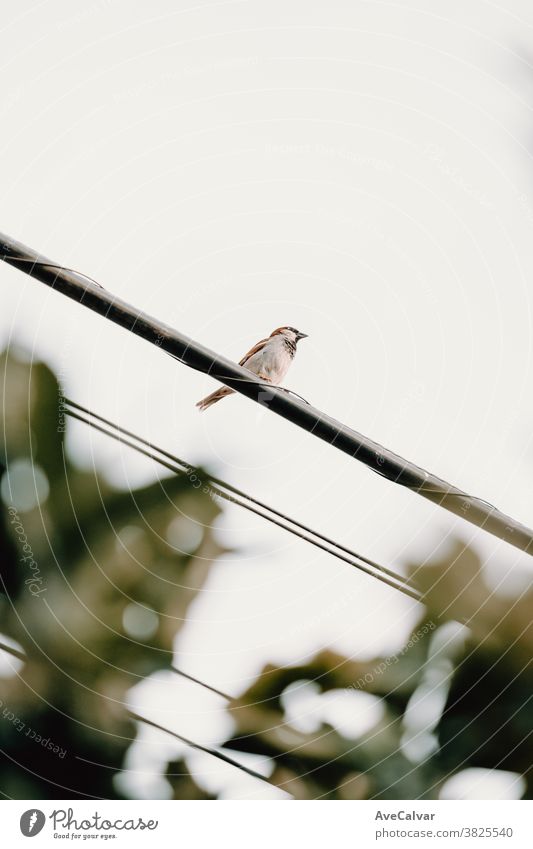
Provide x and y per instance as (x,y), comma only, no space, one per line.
(301,336)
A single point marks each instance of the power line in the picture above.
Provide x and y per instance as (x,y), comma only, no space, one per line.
(216,753)
(192,470)
(386,463)
(236,496)
(201,683)
(10,650)
(21,656)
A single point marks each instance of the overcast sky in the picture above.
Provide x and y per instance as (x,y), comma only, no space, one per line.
(360,170)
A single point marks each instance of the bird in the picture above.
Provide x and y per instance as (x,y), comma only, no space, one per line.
(269,359)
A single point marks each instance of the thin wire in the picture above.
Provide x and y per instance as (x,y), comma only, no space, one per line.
(60,268)
(216,753)
(262,384)
(236,491)
(178,466)
(191,743)
(402,587)
(292,392)
(424,488)
(396,583)
(259,383)
(10,650)
(21,656)
(201,683)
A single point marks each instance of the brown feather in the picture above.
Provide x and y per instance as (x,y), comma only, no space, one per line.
(218,394)
(215,396)
(258,347)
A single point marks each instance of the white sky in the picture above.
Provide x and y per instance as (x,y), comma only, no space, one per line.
(360,170)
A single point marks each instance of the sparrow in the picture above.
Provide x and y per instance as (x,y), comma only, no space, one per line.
(269,359)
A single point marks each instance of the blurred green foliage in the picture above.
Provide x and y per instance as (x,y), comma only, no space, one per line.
(457,696)
(96,558)
(95,588)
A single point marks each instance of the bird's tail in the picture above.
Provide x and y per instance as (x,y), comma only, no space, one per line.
(215,396)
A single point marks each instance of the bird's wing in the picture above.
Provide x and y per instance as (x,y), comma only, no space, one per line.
(255,350)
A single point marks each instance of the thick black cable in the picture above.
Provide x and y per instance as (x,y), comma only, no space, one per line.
(389,465)
(180,467)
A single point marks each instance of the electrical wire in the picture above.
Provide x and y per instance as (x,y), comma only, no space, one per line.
(10,650)
(21,656)
(216,753)
(201,683)
(230,487)
(234,495)
(389,465)
(61,268)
